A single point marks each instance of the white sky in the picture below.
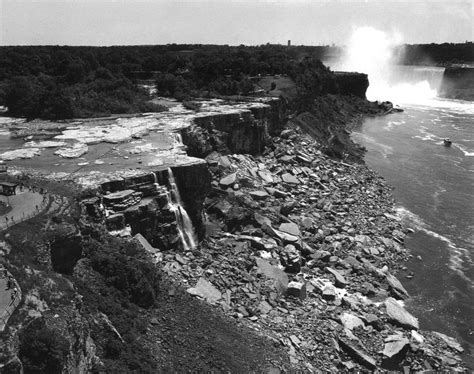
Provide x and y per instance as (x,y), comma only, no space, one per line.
(309,22)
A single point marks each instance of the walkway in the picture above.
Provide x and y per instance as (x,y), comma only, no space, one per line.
(7,303)
(24,205)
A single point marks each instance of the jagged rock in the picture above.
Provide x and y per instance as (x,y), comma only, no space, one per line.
(115,222)
(287,207)
(357,354)
(285,237)
(340,280)
(229,180)
(329,292)
(400,315)
(272,272)
(372,320)
(262,220)
(307,222)
(353,263)
(266,176)
(259,195)
(289,178)
(222,208)
(290,228)
(291,259)
(276,193)
(350,321)
(396,286)
(264,307)
(297,289)
(451,342)
(145,244)
(206,290)
(286,159)
(416,336)
(394,344)
(321,255)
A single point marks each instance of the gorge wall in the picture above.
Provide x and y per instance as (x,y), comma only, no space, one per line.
(458,83)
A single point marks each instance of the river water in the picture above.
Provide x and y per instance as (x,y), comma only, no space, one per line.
(433,185)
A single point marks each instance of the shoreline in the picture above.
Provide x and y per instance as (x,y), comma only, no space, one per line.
(301,248)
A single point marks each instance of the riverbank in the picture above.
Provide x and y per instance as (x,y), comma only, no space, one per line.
(298,258)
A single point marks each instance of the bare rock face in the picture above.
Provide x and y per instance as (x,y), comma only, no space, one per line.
(142,204)
(350,83)
(244,128)
(399,315)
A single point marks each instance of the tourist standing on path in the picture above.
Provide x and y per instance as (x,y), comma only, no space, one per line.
(13,296)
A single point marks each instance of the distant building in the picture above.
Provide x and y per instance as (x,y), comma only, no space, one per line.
(289,43)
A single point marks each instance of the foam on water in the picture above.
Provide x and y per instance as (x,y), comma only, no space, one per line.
(458,257)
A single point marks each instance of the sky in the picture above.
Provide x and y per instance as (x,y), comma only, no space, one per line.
(233,22)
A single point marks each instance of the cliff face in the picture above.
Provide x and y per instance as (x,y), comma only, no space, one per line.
(148,204)
(242,131)
(458,83)
(350,83)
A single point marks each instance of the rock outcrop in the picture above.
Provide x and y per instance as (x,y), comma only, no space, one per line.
(246,130)
(351,83)
(458,83)
(157,205)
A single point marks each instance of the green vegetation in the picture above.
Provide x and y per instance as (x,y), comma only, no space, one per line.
(63,82)
(42,350)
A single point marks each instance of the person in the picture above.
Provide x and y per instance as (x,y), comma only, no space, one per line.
(13,296)
(10,282)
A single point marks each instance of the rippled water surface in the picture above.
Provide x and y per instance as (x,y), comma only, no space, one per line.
(434,186)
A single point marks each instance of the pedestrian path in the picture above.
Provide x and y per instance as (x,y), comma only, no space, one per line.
(24,205)
(9,300)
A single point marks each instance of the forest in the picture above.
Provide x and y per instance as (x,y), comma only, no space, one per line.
(60,82)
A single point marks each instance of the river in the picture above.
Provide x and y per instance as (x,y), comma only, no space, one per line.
(433,186)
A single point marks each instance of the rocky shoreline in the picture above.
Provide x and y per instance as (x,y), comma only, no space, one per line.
(298,245)
(303,248)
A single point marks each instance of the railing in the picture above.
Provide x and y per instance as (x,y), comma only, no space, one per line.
(39,208)
(6,314)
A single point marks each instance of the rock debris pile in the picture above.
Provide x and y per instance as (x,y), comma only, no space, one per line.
(302,249)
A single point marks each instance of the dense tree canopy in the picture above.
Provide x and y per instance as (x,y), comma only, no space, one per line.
(59,82)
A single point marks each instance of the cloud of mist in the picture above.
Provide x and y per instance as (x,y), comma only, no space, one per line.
(373,52)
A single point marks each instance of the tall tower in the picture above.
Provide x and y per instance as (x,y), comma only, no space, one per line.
(289,43)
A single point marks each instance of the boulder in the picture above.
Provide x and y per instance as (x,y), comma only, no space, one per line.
(396,287)
(206,290)
(394,344)
(357,354)
(291,259)
(272,272)
(350,321)
(329,292)
(289,178)
(451,342)
(290,228)
(259,195)
(229,180)
(399,315)
(265,176)
(297,289)
(340,280)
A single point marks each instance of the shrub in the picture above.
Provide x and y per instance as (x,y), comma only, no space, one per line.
(42,350)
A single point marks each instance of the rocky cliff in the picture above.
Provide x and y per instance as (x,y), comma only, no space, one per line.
(458,83)
(238,131)
(147,204)
(350,83)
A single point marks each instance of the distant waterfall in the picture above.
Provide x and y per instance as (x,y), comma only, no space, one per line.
(185,226)
(372,51)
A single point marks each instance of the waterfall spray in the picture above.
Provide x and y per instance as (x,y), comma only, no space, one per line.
(371,51)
